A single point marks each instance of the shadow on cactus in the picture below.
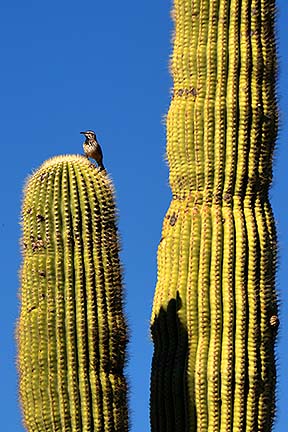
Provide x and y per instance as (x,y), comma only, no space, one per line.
(168,386)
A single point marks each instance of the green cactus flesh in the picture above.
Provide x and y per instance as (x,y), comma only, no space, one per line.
(214,318)
(71,331)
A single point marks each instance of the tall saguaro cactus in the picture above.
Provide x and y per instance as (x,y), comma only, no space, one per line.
(71,331)
(214,316)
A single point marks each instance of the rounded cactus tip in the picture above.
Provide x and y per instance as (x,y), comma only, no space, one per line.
(66,158)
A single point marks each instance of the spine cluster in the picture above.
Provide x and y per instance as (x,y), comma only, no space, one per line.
(214,316)
(71,332)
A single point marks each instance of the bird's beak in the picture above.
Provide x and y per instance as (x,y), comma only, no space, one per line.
(82,133)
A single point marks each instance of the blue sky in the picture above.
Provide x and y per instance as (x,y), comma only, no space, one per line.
(69,66)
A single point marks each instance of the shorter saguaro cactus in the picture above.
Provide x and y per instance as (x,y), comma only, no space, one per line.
(71,332)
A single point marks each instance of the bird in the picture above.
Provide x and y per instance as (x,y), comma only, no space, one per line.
(92,148)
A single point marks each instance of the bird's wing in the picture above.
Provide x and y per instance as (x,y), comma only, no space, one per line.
(100,152)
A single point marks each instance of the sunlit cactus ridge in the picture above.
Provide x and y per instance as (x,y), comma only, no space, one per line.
(71,332)
(214,318)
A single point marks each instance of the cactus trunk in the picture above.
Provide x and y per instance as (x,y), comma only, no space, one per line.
(214,318)
(71,331)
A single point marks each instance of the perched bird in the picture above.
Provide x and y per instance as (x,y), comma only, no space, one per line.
(92,148)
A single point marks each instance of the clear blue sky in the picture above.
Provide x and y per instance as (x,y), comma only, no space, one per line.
(67,66)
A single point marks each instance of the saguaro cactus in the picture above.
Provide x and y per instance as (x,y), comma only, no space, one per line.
(71,331)
(214,316)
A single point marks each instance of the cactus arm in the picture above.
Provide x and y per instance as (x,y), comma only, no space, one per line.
(72,332)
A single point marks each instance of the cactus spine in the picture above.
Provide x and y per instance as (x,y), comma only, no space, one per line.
(214,317)
(71,331)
